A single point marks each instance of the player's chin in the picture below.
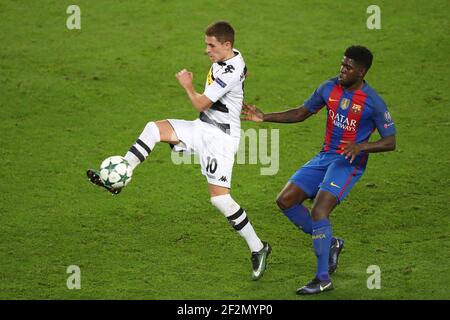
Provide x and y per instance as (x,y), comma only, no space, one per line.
(344,82)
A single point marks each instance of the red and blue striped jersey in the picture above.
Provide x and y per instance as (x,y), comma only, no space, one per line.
(352,115)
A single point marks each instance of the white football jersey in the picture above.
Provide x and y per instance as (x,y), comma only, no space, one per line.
(225,88)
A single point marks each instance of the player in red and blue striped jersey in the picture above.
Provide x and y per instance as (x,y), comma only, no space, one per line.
(354,111)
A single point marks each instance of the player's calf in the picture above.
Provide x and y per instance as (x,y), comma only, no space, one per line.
(238,219)
(144,145)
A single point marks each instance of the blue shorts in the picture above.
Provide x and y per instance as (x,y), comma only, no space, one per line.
(329,172)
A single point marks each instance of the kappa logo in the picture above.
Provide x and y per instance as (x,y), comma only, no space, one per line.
(345,103)
(356,108)
(223,179)
(228,69)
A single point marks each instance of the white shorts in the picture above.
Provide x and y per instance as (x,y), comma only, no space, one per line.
(215,148)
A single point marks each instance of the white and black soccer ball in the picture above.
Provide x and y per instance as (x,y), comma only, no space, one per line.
(115,172)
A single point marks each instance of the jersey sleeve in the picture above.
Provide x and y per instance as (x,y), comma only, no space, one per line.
(383,120)
(222,84)
(316,101)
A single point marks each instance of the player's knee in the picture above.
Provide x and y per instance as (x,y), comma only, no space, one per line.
(152,129)
(280,203)
(152,124)
(283,202)
(166,131)
(325,203)
(225,204)
(319,214)
(215,201)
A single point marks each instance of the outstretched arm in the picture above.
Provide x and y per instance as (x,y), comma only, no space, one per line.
(299,114)
(351,149)
(199,101)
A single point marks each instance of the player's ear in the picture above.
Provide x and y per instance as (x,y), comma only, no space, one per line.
(362,71)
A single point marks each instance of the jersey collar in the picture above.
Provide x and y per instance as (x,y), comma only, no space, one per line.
(224,63)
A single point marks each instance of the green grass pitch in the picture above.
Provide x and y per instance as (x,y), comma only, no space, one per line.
(70,98)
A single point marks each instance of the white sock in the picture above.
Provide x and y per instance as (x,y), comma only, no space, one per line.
(238,219)
(144,145)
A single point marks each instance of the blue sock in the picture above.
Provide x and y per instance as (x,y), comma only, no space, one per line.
(321,236)
(333,241)
(299,215)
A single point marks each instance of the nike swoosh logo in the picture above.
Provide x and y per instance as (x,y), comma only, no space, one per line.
(334,185)
(323,288)
(260,268)
(330,99)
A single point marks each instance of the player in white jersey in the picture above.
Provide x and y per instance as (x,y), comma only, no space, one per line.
(214,136)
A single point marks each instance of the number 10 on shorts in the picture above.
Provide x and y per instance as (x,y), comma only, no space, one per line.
(211,166)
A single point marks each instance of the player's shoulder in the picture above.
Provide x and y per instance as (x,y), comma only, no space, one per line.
(238,59)
(373,97)
(235,63)
(234,69)
(329,83)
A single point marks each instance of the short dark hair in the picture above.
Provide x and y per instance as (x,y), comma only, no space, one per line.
(361,55)
(222,30)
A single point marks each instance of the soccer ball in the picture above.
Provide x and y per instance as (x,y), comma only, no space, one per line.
(115,172)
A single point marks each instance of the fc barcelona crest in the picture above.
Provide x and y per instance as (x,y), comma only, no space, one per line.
(356,108)
(345,103)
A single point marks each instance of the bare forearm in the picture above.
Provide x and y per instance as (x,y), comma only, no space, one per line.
(196,99)
(289,116)
(382,145)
